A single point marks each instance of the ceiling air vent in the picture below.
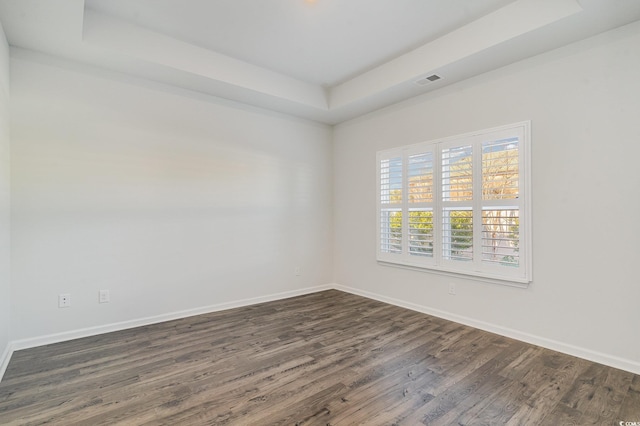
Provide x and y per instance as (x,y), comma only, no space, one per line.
(428,80)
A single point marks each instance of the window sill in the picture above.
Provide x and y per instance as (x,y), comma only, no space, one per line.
(475,276)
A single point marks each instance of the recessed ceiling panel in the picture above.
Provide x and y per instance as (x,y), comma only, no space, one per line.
(322,42)
(325,60)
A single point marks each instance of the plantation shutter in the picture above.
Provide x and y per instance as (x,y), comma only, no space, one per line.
(458,205)
(390,226)
(420,192)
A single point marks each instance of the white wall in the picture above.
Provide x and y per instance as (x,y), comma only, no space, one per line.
(172,202)
(584,103)
(5,274)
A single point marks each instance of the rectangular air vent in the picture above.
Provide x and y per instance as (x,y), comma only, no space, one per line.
(428,80)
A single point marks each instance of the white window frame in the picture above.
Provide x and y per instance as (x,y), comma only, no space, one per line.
(476,267)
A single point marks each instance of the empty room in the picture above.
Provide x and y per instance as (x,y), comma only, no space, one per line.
(319,212)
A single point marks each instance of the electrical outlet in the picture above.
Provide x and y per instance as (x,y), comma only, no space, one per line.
(452,289)
(103,296)
(297,271)
(64,300)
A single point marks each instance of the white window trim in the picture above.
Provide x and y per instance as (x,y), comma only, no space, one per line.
(520,276)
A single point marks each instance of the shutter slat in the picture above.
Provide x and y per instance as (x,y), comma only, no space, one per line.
(501,236)
(500,169)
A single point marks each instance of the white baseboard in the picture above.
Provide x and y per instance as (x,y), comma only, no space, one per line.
(5,358)
(602,358)
(108,328)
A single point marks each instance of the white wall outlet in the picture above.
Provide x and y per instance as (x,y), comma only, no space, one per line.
(452,289)
(297,271)
(103,296)
(64,300)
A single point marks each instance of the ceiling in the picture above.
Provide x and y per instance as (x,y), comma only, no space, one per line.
(324,42)
(325,60)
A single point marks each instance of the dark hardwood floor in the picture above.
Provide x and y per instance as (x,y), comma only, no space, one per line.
(328,358)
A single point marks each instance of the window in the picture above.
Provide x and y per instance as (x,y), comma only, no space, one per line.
(458,205)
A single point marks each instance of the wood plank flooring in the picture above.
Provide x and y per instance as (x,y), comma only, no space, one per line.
(328,358)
